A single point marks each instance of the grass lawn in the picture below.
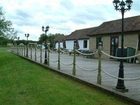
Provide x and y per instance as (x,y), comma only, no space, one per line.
(24,83)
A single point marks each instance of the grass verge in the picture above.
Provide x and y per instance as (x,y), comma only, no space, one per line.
(24,83)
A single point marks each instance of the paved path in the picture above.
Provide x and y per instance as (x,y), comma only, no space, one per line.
(86,70)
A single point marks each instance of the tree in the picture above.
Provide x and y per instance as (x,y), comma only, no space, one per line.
(3,41)
(43,38)
(59,37)
(6,30)
(50,38)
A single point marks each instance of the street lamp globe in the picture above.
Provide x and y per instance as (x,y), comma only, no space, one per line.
(116,4)
(26,35)
(42,28)
(129,3)
(122,5)
(47,28)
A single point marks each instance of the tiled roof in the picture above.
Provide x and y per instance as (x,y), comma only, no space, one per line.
(80,34)
(131,24)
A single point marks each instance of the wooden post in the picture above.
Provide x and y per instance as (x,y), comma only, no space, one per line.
(20,51)
(48,53)
(99,77)
(58,55)
(41,54)
(24,50)
(35,52)
(16,48)
(27,52)
(31,50)
(74,60)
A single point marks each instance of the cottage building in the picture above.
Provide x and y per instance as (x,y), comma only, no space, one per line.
(109,33)
(80,37)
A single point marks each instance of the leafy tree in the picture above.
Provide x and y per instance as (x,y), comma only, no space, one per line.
(59,37)
(3,41)
(43,38)
(50,38)
(5,25)
(6,30)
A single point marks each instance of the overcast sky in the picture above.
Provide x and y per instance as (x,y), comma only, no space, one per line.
(63,16)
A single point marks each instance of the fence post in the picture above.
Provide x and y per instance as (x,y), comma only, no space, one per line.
(58,55)
(48,54)
(41,54)
(74,60)
(22,53)
(17,48)
(31,51)
(20,50)
(99,77)
(24,50)
(35,52)
(27,47)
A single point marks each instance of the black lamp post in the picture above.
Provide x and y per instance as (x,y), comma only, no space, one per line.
(27,35)
(45,30)
(122,6)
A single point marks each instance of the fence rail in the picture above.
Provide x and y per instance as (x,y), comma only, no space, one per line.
(38,53)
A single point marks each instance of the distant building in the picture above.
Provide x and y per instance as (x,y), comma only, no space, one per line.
(80,37)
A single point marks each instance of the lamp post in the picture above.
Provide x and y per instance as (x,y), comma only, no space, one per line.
(27,35)
(122,6)
(45,29)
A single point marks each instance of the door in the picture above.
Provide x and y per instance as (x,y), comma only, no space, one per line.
(114,43)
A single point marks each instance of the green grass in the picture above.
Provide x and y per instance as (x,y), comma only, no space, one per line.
(24,83)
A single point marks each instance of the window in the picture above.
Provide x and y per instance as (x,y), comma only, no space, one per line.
(77,44)
(85,44)
(114,43)
(98,40)
(64,44)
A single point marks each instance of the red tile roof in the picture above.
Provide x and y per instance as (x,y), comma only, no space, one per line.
(80,34)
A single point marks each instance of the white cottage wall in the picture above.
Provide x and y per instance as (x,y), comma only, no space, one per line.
(69,44)
(81,45)
(61,45)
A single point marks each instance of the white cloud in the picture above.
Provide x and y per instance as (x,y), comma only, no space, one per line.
(63,16)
